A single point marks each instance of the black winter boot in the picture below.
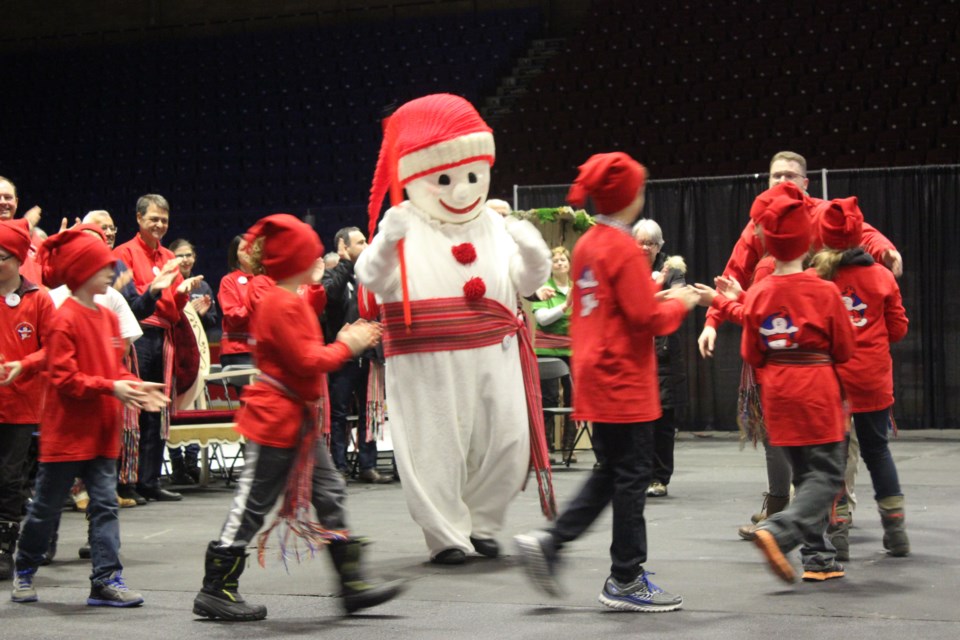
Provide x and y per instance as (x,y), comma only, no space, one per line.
(9,532)
(357,592)
(191,464)
(179,473)
(219,598)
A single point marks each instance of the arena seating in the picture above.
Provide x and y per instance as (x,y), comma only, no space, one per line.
(715,87)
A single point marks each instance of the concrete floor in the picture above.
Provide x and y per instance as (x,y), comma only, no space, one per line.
(694,550)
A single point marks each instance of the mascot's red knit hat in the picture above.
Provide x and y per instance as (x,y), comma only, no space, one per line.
(611,179)
(290,246)
(841,224)
(72,257)
(785,219)
(423,136)
(14,239)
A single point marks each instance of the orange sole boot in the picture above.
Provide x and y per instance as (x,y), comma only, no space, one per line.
(778,562)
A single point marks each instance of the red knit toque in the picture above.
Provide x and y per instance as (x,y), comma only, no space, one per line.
(841,224)
(781,189)
(95,228)
(72,257)
(290,246)
(14,239)
(785,219)
(611,179)
(423,136)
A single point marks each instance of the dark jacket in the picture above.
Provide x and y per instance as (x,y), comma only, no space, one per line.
(670,363)
(341,286)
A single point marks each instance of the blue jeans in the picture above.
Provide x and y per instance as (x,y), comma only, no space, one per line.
(871,429)
(347,385)
(624,455)
(54,480)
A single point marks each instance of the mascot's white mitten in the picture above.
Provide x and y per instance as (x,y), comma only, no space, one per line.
(377,267)
(394,224)
(530,268)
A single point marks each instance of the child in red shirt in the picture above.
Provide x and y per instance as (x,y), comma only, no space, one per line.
(795,328)
(279,420)
(25,315)
(615,318)
(873,303)
(80,425)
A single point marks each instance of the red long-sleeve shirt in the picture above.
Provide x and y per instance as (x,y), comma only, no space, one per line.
(797,312)
(290,349)
(615,318)
(748,252)
(146,263)
(235,307)
(24,336)
(81,419)
(875,308)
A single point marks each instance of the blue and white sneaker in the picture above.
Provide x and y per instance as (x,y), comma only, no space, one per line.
(639,595)
(113,593)
(538,552)
(23,590)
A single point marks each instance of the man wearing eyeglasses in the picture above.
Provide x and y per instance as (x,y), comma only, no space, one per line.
(148,260)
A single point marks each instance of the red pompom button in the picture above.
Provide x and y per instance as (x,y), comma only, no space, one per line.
(474,288)
(464,253)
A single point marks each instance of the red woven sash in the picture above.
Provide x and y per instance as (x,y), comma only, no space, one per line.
(544,340)
(454,324)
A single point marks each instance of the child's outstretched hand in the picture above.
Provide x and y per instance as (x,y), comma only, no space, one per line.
(126,391)
(360,335)
(147,396)
(706,293)
(687,295)
(728,286)
(155,398)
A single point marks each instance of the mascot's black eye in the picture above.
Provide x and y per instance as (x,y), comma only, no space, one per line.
(472,177)
(443,180)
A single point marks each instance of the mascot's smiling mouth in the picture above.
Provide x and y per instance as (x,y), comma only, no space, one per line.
(460,211)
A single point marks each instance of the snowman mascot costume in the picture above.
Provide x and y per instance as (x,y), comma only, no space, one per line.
(462,388)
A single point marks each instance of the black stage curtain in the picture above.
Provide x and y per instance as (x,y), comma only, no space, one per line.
(916,207)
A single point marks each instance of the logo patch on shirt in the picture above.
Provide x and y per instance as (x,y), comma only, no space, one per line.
(25,330)
(586,283)
(778,331)
(856,308)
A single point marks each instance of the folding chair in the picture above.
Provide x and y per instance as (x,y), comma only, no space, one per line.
(215,420)
(232,375)
(551,370)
